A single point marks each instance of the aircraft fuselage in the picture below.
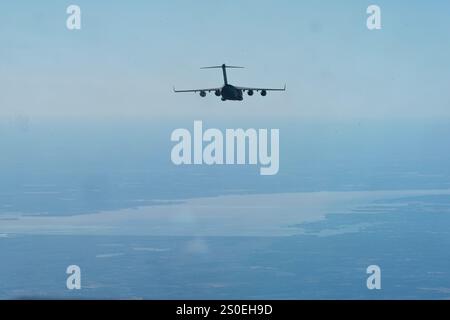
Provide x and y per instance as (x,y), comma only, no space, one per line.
(230,92)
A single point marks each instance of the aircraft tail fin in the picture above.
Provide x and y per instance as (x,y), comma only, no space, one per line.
(224,68)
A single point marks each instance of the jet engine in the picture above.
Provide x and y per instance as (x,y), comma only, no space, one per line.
(202,94)
(263,93)
(250,92)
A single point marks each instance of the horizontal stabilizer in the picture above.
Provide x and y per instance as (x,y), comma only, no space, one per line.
(223,66)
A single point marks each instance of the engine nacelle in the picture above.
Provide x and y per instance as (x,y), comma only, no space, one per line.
(250,92)
(202,94)
(263,93)
(217,93)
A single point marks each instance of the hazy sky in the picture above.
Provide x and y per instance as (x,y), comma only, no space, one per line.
(129,54)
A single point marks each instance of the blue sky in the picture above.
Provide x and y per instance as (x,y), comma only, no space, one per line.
(128,56)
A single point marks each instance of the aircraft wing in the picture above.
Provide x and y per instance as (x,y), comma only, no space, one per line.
(197,90)
(261,89)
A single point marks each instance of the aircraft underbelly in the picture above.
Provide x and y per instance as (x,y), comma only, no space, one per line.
(229,93)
